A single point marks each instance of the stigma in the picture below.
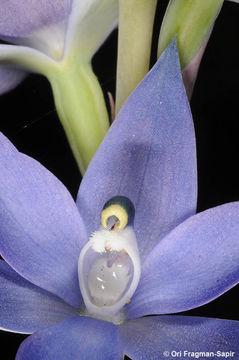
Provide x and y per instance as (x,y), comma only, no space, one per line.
(109,264)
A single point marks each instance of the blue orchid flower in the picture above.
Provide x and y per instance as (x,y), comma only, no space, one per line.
(132,236)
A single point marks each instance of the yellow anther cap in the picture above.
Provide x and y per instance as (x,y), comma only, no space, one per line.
(121,208)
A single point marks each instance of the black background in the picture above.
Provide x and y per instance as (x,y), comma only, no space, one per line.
(29,119)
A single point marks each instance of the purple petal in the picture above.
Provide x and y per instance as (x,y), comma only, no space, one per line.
(10,78)
(21,18)
(25,307)
(148,156)
(194,264)
(41,230)
(76,338)
(160,337)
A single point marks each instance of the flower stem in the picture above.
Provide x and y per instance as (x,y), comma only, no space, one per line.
(81,108)
(134,45)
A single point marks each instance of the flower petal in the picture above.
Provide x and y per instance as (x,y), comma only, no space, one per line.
(10,78)
(194,264)
(20,18)
(25,307)
(49,40)
(159,337)
(90,22)
(76,338)
(41,230)
(23,57)
(147,156)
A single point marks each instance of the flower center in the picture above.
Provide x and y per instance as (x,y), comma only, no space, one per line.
(109,264)
(109,277)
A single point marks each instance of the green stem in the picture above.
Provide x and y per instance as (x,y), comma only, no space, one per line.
(81,108)
(136,21)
